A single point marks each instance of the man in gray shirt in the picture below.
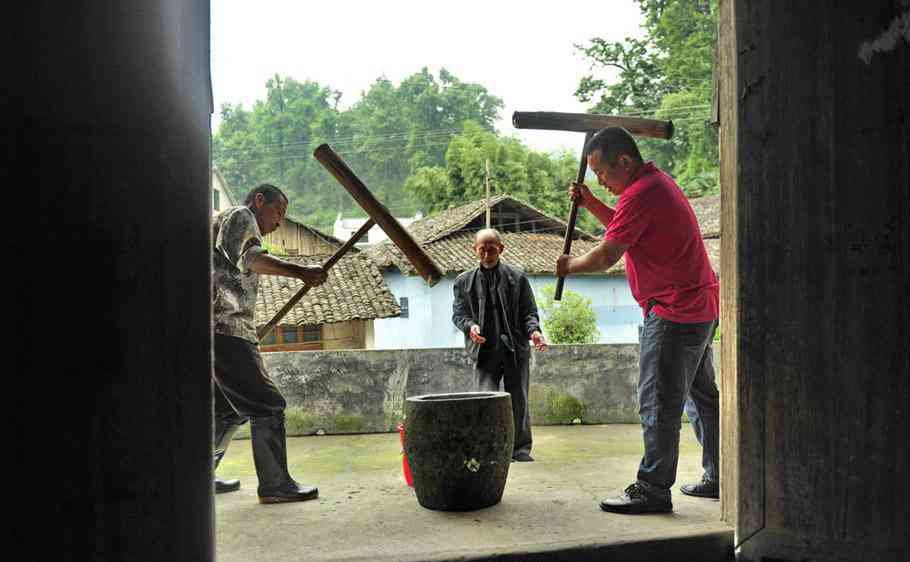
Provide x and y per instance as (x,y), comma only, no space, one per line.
(243,389)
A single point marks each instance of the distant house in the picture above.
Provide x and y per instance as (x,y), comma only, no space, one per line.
(533,241)
(343,228)
(293,238)
(339,314)
(221,195)
(336,315)
(707,211)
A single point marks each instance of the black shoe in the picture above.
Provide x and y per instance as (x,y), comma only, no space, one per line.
(704,489)
(522,456)
(297,494)
(225,486)
(636,500)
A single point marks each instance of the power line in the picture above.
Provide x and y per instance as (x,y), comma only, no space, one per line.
(306,155)
(678,113)
(359,136)
(418,132)
(343,153)
(337,141)
(344,149)
(670,110)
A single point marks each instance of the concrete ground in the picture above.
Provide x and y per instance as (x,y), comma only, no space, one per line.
(549,510)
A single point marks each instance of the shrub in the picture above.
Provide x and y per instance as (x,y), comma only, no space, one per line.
(572,320)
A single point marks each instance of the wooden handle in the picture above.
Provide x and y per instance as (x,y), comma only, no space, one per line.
(333,259)
(573,215)
(422,262)
(585,122)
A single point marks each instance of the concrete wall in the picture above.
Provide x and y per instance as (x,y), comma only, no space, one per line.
(429,323)
(364,390)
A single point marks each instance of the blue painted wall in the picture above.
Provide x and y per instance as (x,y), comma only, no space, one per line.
(429,321)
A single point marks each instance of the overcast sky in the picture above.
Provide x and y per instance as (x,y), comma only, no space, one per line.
(521,52)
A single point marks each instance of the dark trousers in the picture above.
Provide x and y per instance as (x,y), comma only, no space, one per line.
(244,391)
(676,372)
(494,367)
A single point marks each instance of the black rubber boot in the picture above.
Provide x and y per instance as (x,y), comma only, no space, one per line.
(225,486)
(224,431)
(271,460)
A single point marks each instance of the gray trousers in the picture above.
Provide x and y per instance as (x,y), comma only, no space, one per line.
(676,373)
(491,368)
(244,391)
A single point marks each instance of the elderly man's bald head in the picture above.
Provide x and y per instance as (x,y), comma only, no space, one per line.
(488,246)
(487,234)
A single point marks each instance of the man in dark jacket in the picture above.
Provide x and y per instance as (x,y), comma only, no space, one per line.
(494,307)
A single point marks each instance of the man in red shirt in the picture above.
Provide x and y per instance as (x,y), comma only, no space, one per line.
(672,280)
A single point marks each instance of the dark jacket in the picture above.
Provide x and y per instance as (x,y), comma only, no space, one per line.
(518,299)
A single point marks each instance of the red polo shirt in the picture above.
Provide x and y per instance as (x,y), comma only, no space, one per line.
(666,260)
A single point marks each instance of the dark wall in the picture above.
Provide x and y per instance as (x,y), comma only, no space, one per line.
(822,245)
(108,278)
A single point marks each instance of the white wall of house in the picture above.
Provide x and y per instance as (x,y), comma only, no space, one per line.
(369,337)
(618,315)
(343,228)
(221,197)
(429,315)
(429,321)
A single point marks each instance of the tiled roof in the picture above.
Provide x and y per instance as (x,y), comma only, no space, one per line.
(707,211)
(712,246)
(431,230)
(434,227)
(354,290)
(535,253)
(328,238)
(448,237)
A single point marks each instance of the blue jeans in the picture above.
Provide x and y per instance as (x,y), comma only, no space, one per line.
(676,372)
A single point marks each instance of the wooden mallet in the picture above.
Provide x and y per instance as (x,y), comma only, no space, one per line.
(263,331)
(587,123)
(422,262)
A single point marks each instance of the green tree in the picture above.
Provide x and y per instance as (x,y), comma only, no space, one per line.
(386,135)
(273,142)
(539,179)
(667,75)
(401,129)
(571,320)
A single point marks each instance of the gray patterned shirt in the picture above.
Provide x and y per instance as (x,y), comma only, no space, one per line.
(237,241)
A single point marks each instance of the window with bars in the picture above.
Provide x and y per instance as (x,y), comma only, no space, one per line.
(289,334)
(312,333)
(403,303)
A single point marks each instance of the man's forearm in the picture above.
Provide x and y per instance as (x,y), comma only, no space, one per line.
(601,211)
(269,265)
(597,259)
(463,323)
